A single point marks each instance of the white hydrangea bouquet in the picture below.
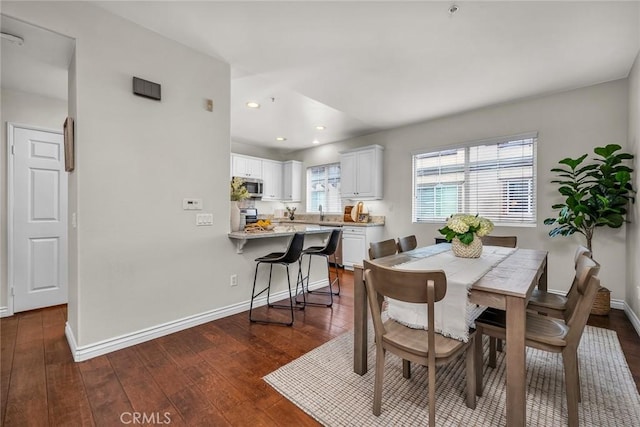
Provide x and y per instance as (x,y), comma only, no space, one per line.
(465,227)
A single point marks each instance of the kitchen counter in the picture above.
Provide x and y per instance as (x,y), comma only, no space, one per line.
(280,230)
(330,223)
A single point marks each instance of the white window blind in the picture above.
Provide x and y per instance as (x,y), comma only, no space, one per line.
(493,178)
(323,188)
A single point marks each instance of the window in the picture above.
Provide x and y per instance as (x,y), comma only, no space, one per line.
(493,178)
(323,188)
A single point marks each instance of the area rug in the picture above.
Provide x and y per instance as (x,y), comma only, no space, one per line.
(323,384)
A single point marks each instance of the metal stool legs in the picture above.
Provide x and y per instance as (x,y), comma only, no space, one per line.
(305,289)
(268,291)
(331,282)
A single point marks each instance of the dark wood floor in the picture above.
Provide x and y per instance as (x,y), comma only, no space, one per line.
(207,375)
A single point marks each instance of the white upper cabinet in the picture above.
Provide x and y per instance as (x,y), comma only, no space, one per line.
(292,181)
(361,173)
(246,167)
(272,180)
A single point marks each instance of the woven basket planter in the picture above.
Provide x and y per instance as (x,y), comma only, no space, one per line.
(602,304)
(472,250)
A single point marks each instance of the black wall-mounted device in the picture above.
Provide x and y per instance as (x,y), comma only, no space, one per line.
(146,88)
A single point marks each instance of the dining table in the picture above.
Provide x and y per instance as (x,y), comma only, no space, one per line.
(506,286)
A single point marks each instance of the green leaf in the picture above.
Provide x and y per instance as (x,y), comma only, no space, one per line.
(607,151)
(561,170)
(566,191)
(573,163)
(466,238)
(578,221)
(586,168)
(623,177)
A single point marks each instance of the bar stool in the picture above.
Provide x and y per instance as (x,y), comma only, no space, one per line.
(292,254)
(325,251)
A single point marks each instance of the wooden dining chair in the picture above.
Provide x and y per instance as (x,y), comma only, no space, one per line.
(549,334)
(424,347)
(407,243)
(545,302)
(504,241)
(382,249)
(553,304)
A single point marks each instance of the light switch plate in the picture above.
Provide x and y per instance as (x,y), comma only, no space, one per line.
(204,219)
(192,204)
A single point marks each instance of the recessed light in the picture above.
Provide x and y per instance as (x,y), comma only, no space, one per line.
(320,127)
(281,138)
(315,141)
(253,104)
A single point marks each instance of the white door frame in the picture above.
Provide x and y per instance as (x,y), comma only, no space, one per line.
(10,202)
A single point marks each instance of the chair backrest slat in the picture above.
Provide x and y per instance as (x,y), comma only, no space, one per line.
(407,285)
(382,249)
(581,250)
(572,295)
(586,268)
(504,241)
(578,320)
(407,243)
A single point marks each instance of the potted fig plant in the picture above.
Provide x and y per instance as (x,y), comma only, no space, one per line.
(595,194)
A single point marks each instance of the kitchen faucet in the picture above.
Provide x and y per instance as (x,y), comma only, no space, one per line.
(321,214)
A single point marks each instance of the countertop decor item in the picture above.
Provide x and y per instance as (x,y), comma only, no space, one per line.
(291,212)
(238,193)
(463,230)
(347,214)
(238,190)
(472,250)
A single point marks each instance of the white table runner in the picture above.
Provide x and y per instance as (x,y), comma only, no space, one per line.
(453,314)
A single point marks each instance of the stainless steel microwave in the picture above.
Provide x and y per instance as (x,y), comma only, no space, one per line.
(253,186)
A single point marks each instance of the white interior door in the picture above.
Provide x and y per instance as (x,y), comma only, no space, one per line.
(38,252)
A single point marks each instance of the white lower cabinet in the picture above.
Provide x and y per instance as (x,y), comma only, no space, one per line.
(355,244)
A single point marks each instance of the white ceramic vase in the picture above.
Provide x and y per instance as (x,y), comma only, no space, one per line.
(472,250)
(234,215)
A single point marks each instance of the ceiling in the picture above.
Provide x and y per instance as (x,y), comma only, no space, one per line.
(361,66)
(40,64)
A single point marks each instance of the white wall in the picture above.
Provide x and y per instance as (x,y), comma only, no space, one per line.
(569,124)
(140,259)
(633,228)
(137,261)
(256,151)
(28,109)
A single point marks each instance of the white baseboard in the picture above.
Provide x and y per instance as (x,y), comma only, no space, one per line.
(635,321)
(618,304)
(4,312)
(86,352)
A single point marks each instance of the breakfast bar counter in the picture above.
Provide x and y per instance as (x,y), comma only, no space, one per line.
(242,237)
